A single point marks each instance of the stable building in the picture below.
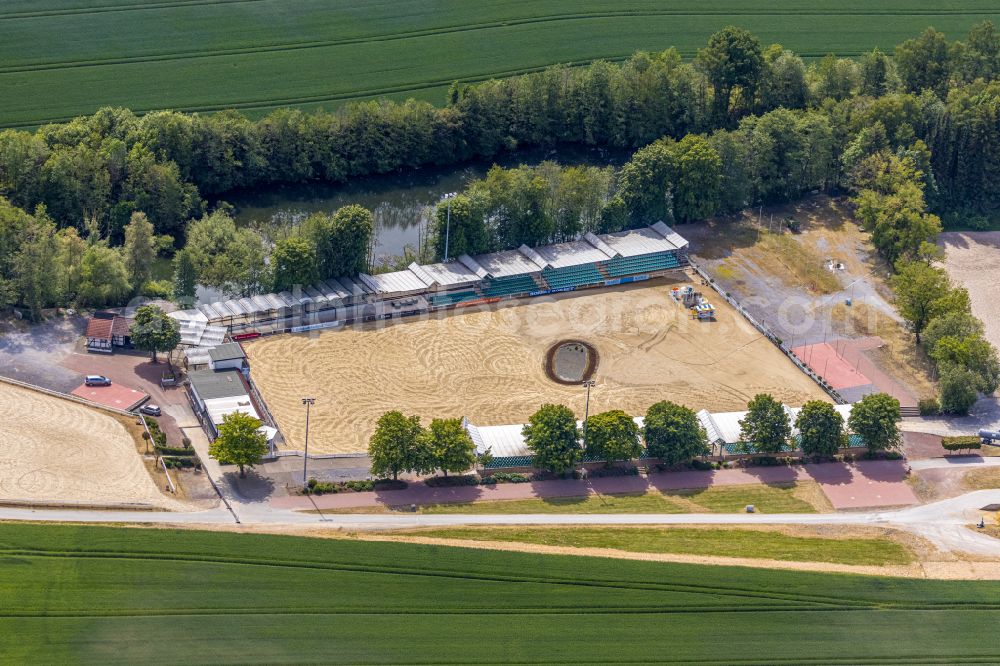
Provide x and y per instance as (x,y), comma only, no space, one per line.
(107,330)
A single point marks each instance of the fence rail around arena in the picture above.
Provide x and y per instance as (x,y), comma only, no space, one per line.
(767,333)
(65,396)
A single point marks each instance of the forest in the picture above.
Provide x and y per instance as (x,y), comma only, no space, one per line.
(87,206)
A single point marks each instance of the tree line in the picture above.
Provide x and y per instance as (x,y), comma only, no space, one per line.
(671,433)
(737,125)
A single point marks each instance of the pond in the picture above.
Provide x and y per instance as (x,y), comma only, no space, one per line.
(401,202)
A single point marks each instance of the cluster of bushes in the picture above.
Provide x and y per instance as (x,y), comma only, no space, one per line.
(962,443)
(159,437)
(316,487)
(940,315)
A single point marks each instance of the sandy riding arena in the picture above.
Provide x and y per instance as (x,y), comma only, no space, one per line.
(488,364)
(972,259)
(57,450)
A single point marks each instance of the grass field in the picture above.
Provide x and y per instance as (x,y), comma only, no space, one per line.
(62,58)
(792,498)
(752,543)
(111,595)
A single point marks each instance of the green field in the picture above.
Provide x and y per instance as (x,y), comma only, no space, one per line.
(60,58)
(113,595)
(757,544)
(718,499)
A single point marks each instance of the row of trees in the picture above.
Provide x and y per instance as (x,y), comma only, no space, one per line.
(671,433)
(105,166)
(246,261)
(400,444)
(42,266)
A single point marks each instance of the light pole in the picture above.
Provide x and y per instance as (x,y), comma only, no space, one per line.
(308,402)
(447,228)
(586,410)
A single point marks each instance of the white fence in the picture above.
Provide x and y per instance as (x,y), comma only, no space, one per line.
(766,332)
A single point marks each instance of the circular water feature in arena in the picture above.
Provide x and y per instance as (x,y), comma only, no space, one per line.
(570,362)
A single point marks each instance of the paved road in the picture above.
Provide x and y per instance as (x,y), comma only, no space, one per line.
(944,523)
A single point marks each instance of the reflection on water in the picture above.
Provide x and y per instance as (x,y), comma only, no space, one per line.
(400,202)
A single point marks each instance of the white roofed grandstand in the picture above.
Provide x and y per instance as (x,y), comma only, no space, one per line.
(592,261)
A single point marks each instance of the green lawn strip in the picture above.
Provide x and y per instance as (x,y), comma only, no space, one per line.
(91,594)
(775,498)
(731,542)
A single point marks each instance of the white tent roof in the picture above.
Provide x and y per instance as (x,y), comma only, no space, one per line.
(219,407)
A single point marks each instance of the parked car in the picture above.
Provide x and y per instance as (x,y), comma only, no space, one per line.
(150,410)
(97,380)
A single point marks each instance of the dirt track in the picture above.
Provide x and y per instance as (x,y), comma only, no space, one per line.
(972,259)
(488,365)
(58,450)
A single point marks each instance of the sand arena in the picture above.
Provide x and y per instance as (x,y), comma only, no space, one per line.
(488,364)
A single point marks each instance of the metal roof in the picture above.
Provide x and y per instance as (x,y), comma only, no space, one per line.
(474,266)
(222,384)
(573,253)
(599,244)
(353,287)
(397,282)
(637,242)
(671,235)
(198,355)
(227,352)
(445,274)
(218,408)
(507,264)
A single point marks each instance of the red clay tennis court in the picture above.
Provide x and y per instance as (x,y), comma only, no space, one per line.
(116,395)
(826,362)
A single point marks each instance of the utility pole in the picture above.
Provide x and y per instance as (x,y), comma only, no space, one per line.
(586,410)
(447,229)
(308,402)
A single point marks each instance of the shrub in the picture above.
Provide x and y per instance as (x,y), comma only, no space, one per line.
(359,486)
(452,481)
(929,407)
(390,484)
(631,470)
(962,443)
(702,465)
(158,289)
(186,442)
(173,451)
(505,477)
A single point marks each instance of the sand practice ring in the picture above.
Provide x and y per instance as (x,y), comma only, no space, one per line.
(570,362)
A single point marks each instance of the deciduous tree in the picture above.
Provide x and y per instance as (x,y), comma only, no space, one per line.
(153,331)
(673,433)
(396,445)
(766,427)
(240,442)
(553,438)
(821,428)
(612,436)
(875,419)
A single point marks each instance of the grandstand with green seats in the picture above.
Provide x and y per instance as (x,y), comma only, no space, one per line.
(591,261)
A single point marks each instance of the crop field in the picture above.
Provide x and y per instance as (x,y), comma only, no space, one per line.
(78,594)
(62,58)
(488,364)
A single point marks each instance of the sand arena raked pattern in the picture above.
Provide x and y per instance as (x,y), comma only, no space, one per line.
(488,364)
(57,450)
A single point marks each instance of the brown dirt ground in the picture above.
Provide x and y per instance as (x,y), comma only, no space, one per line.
(931,563)
(58,450)
(783,278)
(972,259)
(488,365)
